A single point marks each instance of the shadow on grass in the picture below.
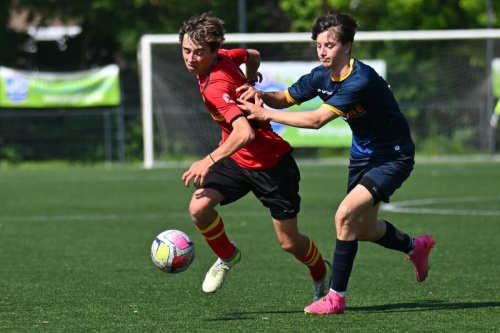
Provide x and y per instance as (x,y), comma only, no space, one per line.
(399,307)
(423,306)
(244,315)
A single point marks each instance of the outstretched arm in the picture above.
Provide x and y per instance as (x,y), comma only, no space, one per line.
(274,99)
(304,119)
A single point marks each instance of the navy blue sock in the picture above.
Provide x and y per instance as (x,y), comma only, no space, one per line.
(343,259)
(396,240)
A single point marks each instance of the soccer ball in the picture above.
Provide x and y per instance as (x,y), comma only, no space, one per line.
(172,251)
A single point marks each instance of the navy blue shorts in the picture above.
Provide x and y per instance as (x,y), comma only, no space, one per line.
(382,177)
(276,187)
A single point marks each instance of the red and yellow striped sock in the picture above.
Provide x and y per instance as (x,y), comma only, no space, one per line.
(314,261)
(216,238)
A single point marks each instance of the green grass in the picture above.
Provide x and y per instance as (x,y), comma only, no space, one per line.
(74,255)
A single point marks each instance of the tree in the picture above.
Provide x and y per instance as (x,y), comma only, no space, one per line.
(127,20)
(375,15)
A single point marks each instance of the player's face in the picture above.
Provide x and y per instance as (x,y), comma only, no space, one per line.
(197,57)
(331,52)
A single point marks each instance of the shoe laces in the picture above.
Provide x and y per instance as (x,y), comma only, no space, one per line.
(222,265)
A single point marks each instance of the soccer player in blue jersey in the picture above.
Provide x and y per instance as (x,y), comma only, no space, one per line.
(382,151)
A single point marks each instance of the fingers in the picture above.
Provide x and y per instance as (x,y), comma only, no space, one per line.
(197,179)
(258,78)
(258,101)
(242,104)
(247,92)
(186,178)
(190,175)
(243,88)
(246,105)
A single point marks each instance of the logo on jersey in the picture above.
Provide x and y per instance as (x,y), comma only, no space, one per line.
(228,99)
(325,92)
(357,112)
(217,116)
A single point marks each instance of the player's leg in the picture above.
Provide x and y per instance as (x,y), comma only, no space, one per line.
(304,249)
(278,189)
(347,218)
(221,186)
(208,221)
(382,181)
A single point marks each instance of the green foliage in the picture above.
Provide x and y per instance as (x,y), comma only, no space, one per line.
(301,13)
(112,29)
(391,14)
(126,21)
(437,145)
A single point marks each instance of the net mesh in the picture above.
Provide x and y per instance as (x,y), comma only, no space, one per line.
(442,87)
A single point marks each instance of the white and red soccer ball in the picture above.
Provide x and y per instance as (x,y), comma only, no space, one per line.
(172,251)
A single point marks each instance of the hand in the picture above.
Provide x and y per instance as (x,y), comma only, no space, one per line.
(256,79)
(248,92)
(197,172)
(255,110)
(494,120)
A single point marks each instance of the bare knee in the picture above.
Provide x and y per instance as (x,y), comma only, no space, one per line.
(195,210)
(344,223)
(298,246)
(343,217)
(201,213)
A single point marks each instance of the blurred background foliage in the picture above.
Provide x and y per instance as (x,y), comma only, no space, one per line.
(111,29)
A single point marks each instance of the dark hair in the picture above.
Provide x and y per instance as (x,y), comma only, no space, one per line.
(204,28)
(342,25)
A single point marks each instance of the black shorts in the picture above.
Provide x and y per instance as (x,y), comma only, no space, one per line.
(382,177)
(276,187)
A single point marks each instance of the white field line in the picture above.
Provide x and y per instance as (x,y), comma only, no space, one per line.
(396,207)
(408,206)
(125,216)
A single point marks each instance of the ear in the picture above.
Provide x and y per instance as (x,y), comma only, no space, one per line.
(348,47)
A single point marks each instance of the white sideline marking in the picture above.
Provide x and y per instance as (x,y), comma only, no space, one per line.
(121,217)
(396,207)
(402,206)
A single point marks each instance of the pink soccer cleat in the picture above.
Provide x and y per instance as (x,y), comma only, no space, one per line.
(420,256)
(331,304)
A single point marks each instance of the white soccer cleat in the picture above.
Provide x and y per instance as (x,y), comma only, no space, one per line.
(217,273)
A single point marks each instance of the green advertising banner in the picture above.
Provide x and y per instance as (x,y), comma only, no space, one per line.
(24,89)
(281,75)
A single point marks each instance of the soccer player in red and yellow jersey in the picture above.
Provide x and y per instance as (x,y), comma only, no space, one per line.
(250,157)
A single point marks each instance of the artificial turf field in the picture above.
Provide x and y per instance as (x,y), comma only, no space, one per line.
(75,241)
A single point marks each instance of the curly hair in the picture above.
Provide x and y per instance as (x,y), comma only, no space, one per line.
(342,26)
(204,28)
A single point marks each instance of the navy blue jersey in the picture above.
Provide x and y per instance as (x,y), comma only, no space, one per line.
(365,101)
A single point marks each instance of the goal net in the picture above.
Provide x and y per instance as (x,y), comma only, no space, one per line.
(442,80)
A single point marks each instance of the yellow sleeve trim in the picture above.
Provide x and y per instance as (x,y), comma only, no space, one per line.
(333,109)
(289,98)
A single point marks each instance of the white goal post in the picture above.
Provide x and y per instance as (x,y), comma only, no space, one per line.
(145,60)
